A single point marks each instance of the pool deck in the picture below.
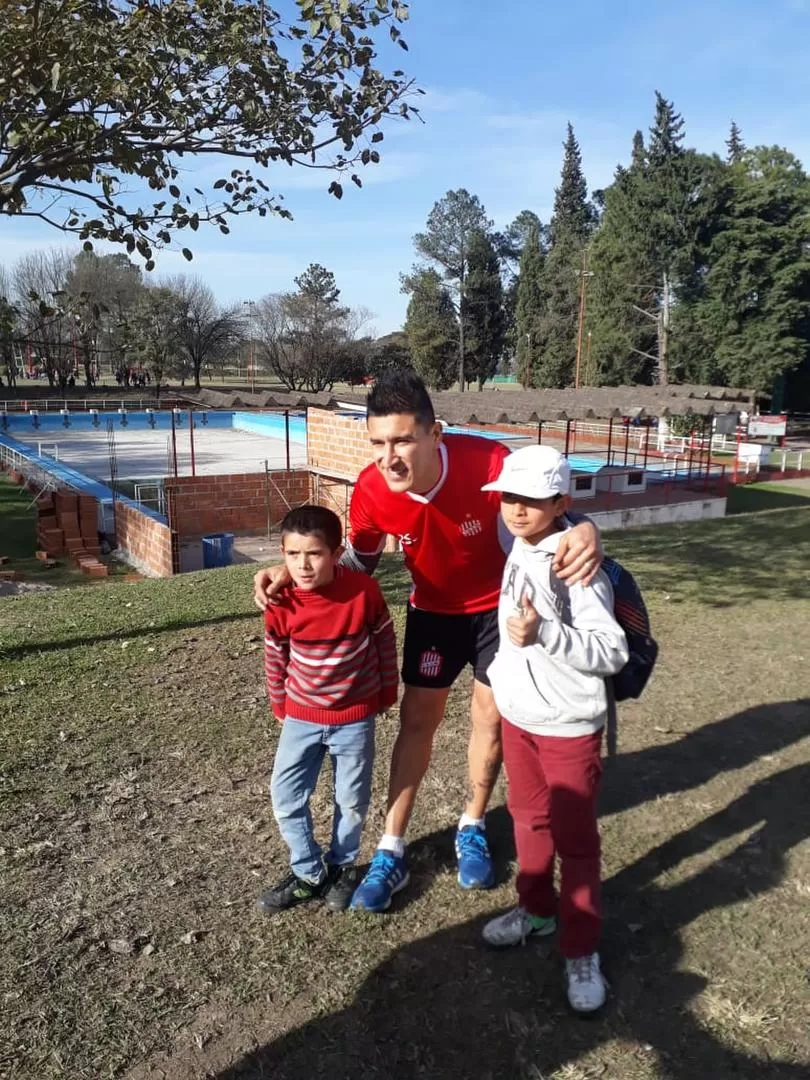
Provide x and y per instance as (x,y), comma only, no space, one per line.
(143,455)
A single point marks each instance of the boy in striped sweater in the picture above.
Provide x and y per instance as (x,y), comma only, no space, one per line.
(331,665)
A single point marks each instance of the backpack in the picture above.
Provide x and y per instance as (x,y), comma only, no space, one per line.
(631,615)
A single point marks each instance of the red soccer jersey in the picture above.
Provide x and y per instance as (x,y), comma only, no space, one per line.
(449,536)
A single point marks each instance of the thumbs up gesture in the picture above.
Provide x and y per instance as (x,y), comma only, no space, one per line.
(522,627)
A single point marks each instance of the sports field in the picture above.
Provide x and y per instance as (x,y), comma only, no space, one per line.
(137,833)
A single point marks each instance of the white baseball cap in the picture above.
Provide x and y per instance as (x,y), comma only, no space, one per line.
(535,472)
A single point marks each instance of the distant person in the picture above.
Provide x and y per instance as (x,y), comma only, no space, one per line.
(558,644)
(331,664)
(424,487)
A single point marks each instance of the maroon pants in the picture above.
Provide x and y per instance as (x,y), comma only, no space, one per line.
(553,784)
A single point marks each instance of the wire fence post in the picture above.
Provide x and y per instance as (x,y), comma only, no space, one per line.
(287,435)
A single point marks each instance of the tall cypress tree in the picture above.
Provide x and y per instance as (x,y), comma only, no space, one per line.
(485,332)
(569,231)
(621,293)
(431,328)
(735,146)
(529,306)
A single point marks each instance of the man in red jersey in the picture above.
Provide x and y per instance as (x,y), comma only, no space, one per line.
(425,488)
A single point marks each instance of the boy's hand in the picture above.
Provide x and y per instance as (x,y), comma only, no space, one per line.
(579,555)
(268,583)
(522,627)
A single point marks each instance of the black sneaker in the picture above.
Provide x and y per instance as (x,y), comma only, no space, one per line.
(341,883)
(289,892)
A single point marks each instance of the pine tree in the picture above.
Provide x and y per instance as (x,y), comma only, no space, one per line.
(485,331)
(432,330)
(529,306)
(621,290)
(445,241)
(758,281)
(569,231)
(658,214)
(734,145)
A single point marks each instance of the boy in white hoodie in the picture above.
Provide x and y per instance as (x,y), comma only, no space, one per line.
(558,644)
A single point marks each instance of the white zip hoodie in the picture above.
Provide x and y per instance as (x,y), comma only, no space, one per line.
(556,686)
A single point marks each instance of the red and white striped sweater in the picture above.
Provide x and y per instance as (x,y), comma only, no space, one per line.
(331,653)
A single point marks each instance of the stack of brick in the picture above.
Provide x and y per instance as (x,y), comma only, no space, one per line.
(68,525)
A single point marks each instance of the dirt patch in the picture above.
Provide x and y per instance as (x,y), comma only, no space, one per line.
(23,588)
(137,833)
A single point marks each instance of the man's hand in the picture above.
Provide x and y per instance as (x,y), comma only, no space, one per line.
(268,583)
(579,555)
(522,627)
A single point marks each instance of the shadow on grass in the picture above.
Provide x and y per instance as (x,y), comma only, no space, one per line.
(391,574)
(724,563)
(18,652)
(444,1007)
(745,499)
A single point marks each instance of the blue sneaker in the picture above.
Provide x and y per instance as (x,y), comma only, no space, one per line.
(387,874)
(475,869)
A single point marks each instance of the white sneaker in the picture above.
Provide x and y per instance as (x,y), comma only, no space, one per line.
(585,984)
(515,926)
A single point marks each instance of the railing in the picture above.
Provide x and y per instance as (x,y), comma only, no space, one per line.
(34,473)
(85,404)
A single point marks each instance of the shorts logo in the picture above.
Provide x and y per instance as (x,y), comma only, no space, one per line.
(430,664)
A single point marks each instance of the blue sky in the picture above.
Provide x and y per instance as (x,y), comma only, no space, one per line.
(502,80)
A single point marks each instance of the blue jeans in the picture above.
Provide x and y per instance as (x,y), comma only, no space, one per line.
(299,757)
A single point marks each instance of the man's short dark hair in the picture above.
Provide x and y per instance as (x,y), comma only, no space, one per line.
(401,391)
(312,520)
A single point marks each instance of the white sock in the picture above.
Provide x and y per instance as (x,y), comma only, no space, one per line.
(465,821)
(394,844)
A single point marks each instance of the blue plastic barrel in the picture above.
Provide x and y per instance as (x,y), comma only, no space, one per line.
(217,550)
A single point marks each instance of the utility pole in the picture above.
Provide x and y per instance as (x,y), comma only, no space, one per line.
(461,326)
(663,334)
(662,320)
(584,274)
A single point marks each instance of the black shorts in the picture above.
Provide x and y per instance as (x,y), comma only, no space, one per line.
(438,647)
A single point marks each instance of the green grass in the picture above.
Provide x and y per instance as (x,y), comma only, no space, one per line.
(18,541)
(18,525)
(136,833)
(776,495)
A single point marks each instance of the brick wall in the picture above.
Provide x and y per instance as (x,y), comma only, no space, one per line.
(337,443)
(147,543)
(199,505)
(338,450)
